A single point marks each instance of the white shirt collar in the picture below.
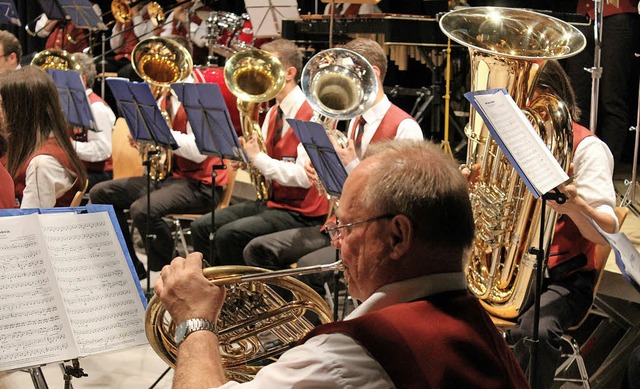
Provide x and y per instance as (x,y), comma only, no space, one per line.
(409,290)
(292,102)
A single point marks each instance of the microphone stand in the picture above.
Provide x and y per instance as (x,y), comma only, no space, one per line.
(596,70)
(212,234)
(541,261)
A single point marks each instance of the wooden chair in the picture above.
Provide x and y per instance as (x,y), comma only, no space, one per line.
(177,220)
(574,356)
(77,199)
(127,161)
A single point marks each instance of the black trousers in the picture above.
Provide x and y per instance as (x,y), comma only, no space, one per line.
(563,303)
(173,195)
(238,224)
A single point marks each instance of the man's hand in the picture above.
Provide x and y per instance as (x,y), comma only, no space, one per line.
(251,147)
(346,154)
(186,293)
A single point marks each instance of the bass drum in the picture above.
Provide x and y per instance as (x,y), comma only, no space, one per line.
(214,75)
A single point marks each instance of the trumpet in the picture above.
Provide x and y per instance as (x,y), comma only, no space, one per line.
(264,314)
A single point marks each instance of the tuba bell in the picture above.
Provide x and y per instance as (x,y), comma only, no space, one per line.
(56,59)
(160,62)
(264,314)
(508,48)
(254,76)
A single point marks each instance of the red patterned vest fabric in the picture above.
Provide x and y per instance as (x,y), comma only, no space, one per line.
(307,202)
(7,190)
(50,147)
(388,127)
(442,341)
(185,168)
(587,7)
(68,38)
(567,239)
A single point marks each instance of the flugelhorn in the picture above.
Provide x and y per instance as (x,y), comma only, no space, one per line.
(254,76)
(265,313)
(508,48)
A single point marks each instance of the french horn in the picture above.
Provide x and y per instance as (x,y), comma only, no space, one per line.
(264,314)
(508,48)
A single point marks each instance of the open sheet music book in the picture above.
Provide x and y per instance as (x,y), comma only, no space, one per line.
(518,140)
(67,288)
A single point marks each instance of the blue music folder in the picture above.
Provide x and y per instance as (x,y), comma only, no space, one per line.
(8,13)
(73,98)
(323,156)
(80,12)
(141,112)
(210,120)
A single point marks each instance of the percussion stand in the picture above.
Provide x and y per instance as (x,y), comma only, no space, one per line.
(596,70)
(541,260)
(630,194)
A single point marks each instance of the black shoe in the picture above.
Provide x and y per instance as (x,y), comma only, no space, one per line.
(142,272)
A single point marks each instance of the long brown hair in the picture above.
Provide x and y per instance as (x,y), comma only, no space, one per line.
(32,111)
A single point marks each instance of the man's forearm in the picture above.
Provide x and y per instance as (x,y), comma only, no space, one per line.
(199,363)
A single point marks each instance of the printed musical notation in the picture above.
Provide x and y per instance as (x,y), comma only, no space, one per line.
(66,290)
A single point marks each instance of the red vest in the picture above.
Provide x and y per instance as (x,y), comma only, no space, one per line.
(567,239)
(7,191)
(69,38)
(586,7)
(100,166)
(129,41)
(442,341)
(388,127)
(307,202)
(50,147)
(185,168)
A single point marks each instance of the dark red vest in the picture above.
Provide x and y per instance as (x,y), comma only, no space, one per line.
(567,239)
(307,202)
(100,166)
(50,147)
(129,41)
(442,341)
(586,7)
(185,168)
(388,127)
(69,38)
(7,190)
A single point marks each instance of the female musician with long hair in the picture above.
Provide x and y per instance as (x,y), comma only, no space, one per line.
(46,170)
(7,195)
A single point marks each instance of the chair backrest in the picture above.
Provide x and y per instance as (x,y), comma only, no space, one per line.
(127,161)
(225,199)
(77,198)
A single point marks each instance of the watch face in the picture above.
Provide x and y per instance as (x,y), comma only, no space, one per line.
(180,332)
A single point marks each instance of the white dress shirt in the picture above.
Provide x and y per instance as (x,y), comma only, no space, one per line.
(336,360)
(98,145)
(141,28)
(285,173)
(197,33)
(407,129)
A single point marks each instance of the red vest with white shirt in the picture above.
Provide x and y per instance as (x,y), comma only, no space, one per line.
(388,127)
(100,166)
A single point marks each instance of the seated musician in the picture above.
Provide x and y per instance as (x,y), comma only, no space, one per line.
(293,201)
(7,191)
(94,147)
(45,168)
(125,36)
(186,190)
(403,243)
(383,121)
(567,292)
(349,9)
(196,29)
(63,34)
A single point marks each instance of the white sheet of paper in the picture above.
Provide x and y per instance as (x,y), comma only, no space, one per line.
(522,141)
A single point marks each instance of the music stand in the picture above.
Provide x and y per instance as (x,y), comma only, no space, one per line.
(80,12)
(266,16)
(211,125)
(8,13)
(146,123)
(73,98)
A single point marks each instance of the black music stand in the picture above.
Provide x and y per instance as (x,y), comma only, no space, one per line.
(73,98)
(211,125)
(147,125)
(80,12)
(8,13)
(329,167)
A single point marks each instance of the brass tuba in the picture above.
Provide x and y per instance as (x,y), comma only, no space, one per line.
(265,313)
(507,49)
(160,62)
(56,59)
(254,76)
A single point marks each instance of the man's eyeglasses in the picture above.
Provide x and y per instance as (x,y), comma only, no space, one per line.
(336,230)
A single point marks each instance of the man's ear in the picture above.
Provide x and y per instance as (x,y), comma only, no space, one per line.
(291,73)
(401,232)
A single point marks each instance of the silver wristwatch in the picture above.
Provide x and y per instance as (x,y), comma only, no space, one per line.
(192,325)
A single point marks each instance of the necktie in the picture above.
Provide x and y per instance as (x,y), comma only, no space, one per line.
(357,139)
(277,128)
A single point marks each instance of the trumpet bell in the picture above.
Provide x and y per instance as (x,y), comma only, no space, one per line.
(339,83)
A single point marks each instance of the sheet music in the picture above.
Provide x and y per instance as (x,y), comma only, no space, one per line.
(517,134)
(34,328)
(97,286)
